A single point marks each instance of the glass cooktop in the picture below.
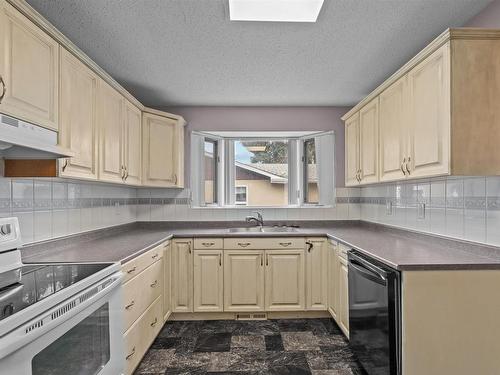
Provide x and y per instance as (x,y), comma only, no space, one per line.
(41,281)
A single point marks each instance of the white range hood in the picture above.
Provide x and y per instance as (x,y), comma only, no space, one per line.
(22,140)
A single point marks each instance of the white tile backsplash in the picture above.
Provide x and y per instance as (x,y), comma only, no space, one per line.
(465,208)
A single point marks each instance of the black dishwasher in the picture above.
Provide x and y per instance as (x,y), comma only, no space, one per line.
(374,314)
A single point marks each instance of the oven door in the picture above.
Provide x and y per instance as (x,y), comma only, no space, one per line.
(89,342)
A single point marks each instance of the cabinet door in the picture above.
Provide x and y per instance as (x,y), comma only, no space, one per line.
(167,290)
(343,296)
(110,117)
(243,280)
(352,150)
(285,275)
(29,67)
(208,280)
(333,285)
(182,276)
(163,148)
(429,103)
(368,142)
(393,124)
(316,274)
(132,133)
(77,127)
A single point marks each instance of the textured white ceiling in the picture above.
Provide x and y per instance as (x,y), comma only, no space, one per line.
(187,52)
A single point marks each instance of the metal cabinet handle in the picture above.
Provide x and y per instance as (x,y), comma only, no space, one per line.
(408,169)
(402,168)
(132,270)
(122,172)
(155,256)
(189,247)
(244,244)
(208,244)
(261,260)
(4,89)
(310,245)
(154,285)
(285,244)
(153,323)
(130,305)
(126,173)
(267,259)
(65,165)
(131,354)
(175,179)
(220,260)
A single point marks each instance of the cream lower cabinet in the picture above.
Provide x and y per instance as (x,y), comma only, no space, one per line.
(77,118)
(182,275)
(143,288)
(163,150)
(244,280)
(29,70)
(167,275)
(285,280)
(208,281)
(333,279)
(343,280)
(316,274)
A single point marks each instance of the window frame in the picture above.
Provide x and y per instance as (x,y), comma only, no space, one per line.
(216,157)
(297,171)
(305,173)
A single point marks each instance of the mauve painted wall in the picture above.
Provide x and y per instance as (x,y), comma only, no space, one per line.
(489,17)
(267,119)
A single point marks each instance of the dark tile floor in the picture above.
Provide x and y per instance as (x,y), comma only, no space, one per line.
(299,346)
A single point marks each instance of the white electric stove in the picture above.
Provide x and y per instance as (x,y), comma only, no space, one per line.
(57,318)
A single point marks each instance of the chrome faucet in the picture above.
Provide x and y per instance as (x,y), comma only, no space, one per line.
(258,219)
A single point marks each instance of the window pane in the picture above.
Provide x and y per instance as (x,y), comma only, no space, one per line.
(210,171)
(241,195)
(262,170)
(310,173)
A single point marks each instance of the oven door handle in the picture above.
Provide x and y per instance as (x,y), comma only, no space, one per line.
(367,272)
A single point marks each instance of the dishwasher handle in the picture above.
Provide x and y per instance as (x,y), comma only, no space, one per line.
(368,269)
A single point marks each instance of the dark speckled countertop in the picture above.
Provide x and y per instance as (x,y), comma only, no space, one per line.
(400,249)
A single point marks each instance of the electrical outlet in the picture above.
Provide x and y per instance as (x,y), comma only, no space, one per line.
(388,208)
(421,210)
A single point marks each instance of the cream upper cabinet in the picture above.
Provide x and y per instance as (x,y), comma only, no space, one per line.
(110,119)
(333,277)
(316,274)
(29,70)
(132,144)
(243,280)
(182,276)
(438,115)
(352,150)
(208,281)
(163,151)
(343,296)
(368,143)
(77,118)
(393,126)
(285,276)
(429,123)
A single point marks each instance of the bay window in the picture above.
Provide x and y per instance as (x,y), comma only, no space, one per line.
(265,169)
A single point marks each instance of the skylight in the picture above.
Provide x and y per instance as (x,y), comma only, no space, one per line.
(275,10)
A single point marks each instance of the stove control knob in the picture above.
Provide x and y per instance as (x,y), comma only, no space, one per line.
(5,229)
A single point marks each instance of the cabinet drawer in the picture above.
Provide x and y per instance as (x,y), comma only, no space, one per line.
(140,336)
(264,243)
(208,243)
(143,261)
(141,291)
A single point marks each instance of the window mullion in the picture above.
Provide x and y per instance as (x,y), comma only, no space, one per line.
(230,172)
